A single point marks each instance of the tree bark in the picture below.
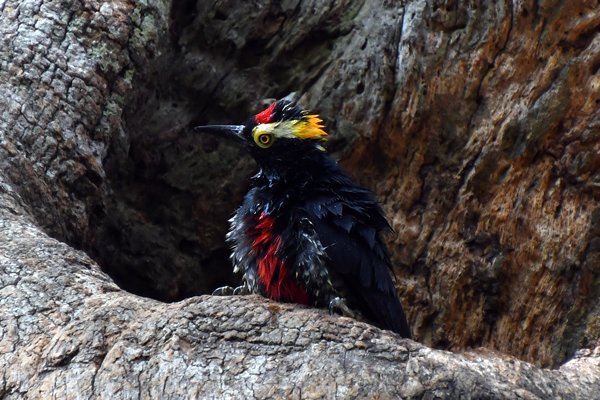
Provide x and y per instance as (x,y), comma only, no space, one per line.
(69,332)
(476,124)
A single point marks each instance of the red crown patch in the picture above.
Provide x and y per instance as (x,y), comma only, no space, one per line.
(264,117)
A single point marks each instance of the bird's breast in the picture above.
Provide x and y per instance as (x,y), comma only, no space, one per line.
(275,277)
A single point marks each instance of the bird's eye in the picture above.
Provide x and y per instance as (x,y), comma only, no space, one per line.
(264,140)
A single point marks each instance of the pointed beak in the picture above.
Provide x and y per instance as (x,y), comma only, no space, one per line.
(230,130)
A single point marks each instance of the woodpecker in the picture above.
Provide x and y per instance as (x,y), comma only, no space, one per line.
(305,232)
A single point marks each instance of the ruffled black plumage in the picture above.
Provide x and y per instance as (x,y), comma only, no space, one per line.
(306,232)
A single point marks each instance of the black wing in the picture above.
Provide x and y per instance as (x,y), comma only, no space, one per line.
(348,223)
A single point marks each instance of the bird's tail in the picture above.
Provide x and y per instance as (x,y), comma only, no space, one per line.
(386,312)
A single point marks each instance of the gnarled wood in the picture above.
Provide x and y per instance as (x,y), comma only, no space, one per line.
(67,331)
(477,124)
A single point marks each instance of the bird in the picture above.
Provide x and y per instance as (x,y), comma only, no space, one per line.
(306,232)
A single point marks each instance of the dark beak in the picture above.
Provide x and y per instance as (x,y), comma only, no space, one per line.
(230,130)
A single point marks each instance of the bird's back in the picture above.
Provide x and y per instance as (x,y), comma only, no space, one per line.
(349,222)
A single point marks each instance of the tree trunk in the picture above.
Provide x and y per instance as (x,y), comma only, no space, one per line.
(476,124)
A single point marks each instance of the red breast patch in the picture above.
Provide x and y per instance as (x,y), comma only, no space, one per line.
(264,117)
(272,271)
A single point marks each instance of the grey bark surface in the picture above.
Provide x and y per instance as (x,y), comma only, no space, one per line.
(67,331)
(473,156)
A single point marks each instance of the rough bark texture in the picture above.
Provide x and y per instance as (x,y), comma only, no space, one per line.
(477,125)
(69,332)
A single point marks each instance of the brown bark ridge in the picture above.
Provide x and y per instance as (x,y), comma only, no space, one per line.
(477,124)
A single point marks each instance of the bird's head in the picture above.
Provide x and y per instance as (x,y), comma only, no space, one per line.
(278,133)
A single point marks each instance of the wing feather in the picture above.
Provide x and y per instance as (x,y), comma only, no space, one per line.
(357,254)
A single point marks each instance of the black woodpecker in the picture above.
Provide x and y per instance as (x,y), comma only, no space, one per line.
(305,232)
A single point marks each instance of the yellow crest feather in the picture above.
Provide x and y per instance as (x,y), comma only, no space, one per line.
(310,127)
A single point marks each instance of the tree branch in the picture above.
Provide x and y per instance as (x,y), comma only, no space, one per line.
(67,330)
